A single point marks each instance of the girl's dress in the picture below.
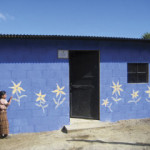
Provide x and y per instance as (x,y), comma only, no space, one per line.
(4,126)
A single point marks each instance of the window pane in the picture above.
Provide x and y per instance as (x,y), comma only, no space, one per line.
(137,72)
(132,67)
(142,78)
(132,77)
(143,67)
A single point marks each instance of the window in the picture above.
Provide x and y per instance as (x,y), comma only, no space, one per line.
(137,72)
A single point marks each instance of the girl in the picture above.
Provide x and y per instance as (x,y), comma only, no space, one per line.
(4,127)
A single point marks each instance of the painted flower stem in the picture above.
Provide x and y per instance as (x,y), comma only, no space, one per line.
(59,101)
(110,107)
(134,101)
(59,98)
(59,92)
(18,97)
(148,100)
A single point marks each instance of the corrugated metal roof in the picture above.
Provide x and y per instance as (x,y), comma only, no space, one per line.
(66,37)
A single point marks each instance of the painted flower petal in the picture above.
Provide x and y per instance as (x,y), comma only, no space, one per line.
(62,92)
(20,88)
(58,87)
(62,88)
(14,91)
(18,84)
(38,99)
(55,91)
(14,83)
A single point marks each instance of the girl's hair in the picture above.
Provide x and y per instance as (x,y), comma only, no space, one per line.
(2,93)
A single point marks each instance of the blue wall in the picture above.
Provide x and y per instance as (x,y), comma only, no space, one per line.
(113,68)
(35,64)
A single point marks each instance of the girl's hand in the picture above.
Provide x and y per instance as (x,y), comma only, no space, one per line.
(9,102)
(10,98)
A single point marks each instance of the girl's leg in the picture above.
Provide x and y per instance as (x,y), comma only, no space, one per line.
(5,135)
(2,136)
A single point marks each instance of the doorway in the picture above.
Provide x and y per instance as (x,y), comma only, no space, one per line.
(84,84)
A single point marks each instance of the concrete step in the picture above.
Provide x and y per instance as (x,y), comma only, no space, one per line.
(83,124)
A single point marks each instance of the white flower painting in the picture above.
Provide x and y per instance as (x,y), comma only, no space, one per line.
(148,92)
(16,90)
(60,96)
(41,102)
(135,97)
(59,99)
(116,91)
(115,95)
(106,104)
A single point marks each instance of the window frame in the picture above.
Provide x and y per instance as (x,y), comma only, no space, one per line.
(146,72)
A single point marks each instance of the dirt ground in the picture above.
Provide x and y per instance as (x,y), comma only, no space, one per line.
(122,135)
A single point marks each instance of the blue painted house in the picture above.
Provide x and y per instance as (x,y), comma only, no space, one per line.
(54,78)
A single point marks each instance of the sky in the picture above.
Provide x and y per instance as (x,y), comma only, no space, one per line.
(109,18)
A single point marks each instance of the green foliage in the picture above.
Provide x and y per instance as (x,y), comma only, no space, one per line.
(146,36)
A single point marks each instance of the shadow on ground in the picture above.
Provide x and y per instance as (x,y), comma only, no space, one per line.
(103,142)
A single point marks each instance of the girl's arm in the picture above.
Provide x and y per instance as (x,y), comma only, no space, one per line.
(9,102)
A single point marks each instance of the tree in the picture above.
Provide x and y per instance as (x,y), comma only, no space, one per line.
(146,36)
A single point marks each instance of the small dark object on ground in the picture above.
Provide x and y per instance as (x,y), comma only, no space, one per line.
(64,129)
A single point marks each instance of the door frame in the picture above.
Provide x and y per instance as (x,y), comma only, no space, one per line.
(70,105)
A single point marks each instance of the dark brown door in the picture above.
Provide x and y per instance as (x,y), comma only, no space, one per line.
(84,84)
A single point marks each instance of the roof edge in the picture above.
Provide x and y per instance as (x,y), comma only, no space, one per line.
(64,37)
